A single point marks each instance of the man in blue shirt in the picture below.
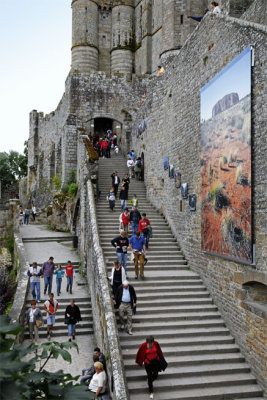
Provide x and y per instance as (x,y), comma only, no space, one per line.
(138,247)
(125,301)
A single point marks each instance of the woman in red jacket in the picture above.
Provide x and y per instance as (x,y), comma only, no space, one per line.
(150,354)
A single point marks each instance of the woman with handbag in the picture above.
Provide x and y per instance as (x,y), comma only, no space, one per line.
(35,320)
(72,316)
(150,354)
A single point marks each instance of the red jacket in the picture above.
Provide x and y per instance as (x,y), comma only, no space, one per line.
(143,223)
(125,219)
(104,145)
(141,354)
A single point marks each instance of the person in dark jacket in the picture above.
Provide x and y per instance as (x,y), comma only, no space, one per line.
(123,198)
(126,183)
(87,373)
(135,217)
(72,316)
(115,182)
(150,354)
(125,301)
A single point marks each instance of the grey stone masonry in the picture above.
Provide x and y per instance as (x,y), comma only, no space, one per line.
(172,107)
(173,305)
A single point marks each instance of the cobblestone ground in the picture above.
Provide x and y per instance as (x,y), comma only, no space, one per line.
(62,252)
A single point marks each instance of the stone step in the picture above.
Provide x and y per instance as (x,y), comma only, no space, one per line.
(63,332)
(140,318)
(195,382)
(169,295)
(60,325)
(48,239)
(192,371)
(176,325)
(188,310)
(209,393)
(188,332)
(169,351)
(173,302)
(167,288)
(180,342)
(194,360)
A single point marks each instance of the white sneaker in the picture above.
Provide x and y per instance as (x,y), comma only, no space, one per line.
(151,396)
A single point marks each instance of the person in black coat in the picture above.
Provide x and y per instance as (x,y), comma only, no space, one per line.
(72,316)
(125,301)
(115,182)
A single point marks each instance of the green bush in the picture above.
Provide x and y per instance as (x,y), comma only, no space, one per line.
(65,188)
(57,181)
(72,177)
(73,188)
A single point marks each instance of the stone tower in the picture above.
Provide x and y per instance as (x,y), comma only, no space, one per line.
(122,37)
(85,49)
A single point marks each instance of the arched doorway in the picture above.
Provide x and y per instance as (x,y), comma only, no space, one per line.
(143,167)
(102,125)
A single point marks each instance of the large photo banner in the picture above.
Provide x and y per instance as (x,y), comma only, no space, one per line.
(226,161)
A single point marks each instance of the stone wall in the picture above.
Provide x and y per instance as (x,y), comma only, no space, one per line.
(257,12)
(172,107)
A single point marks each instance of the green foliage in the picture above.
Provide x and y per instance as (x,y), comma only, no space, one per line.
(27,379)
(73,188)
(13,166)
(9,244)
(72,177)
(65,188)
(56,181)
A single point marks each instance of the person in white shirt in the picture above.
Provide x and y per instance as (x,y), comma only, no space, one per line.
(34,319)
(215,8)
(98,382)
(130,166)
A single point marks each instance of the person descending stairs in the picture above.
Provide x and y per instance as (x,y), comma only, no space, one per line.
(175,307)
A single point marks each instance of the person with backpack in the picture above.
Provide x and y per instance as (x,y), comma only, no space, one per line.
(121,244)
(130,166)
(111,198)
(135,217)
(144,228)
(138,169)
(50,307)
(134,202)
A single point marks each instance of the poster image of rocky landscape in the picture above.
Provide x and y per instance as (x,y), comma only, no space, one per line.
(226,161)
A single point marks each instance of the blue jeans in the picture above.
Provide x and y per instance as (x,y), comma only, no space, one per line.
(48,280)
(69,283)
(135,227)
(122,258)
(71,329)
(59,281)
(123,204)
(35,285)
(146,239)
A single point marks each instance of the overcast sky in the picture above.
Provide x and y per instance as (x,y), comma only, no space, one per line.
(35,43)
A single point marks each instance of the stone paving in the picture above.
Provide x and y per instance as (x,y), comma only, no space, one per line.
(40,252)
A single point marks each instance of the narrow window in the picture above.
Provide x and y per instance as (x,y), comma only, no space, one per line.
(104,40)
(181,19)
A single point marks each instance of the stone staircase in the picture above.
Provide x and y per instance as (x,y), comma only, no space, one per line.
(175,307)
(39,244)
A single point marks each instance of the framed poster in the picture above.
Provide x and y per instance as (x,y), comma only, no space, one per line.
(166,162)
(177,179)
(171,171)
(184,190)
(192,202)
(226,161)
